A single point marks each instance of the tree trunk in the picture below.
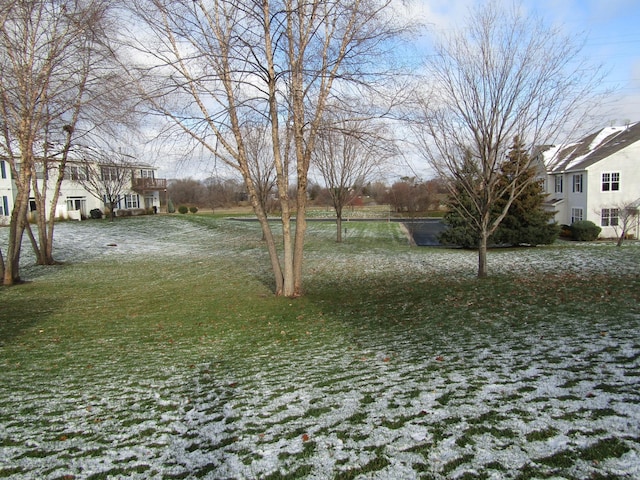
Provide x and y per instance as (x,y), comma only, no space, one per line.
(339,228)
(50,223)
(34,242)
(16,231)
(40,248)
(288,280)
(39,199)
(301,229)
(48,250)
(267,236)
(482,255)
(621,238)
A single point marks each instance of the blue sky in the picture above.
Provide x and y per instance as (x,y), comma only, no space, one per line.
(611,28)
(613,39)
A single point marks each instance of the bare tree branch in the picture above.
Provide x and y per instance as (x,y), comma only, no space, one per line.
(213,67)
(500,76)
(57,83)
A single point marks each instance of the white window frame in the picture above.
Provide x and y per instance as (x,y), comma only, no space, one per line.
(148,201)
(610,181)
(577,183)
(132,200)
(4,206)
(558,184)
(610,217)
(108,174)
(577,214)
(74,202)
(75,173)
(39,171)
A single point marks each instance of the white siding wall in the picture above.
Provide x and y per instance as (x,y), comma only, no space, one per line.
(6,193)
(576,200)
(626,162)
(71,193)
(593,198)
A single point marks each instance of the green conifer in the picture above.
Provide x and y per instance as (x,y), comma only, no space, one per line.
(526,222)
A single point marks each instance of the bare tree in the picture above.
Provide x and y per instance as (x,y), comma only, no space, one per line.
(348,155)
(628,215)
(107,176)
(219,64)
(223,192)
(502,75)
(260,162)
(623,218)
(187,191)
(52,69)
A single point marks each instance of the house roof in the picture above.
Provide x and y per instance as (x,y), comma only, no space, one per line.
(80,153)
(591,149)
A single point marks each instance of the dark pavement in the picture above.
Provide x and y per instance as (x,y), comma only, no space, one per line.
(425,231)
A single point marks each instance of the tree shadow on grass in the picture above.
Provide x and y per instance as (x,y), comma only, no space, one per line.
(18,315)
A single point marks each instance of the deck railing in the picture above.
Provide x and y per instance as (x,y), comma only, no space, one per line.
(149,184)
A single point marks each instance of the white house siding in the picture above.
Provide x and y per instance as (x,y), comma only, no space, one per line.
(626,162)
(566,201)
(72,192)
(6,193)
(593,199)
(74,199)
(576,200)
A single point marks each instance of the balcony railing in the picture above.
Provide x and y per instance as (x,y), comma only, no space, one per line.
(142,184)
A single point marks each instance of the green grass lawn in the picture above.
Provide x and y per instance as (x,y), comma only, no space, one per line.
(167,356)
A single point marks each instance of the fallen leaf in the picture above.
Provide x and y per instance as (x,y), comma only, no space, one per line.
(305,437)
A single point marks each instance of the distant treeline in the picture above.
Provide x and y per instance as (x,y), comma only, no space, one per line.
(405,195)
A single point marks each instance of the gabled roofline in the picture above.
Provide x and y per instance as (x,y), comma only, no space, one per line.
(81,153)
(580,155)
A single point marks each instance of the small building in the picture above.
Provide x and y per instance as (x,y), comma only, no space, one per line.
(141,192)
(595,178)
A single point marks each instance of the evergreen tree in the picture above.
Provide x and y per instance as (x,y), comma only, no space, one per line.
(460,231)
(526,223)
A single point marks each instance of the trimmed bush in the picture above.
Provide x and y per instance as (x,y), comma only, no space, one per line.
(170,207)
(565,231)
(193,209)
(96,213)
(585,231)
(183,209)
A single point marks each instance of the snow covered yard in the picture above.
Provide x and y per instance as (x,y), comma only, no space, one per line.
(397,364)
